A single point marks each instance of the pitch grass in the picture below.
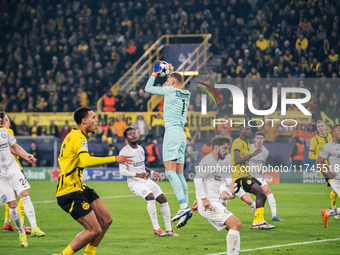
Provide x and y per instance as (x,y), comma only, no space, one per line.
(131,232)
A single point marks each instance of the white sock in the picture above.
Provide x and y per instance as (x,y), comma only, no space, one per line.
(233,242)
(272,204)
(15,216)
(165,210)
(253,207)
(29,210)
(332,212)
(153,213)
(183,206)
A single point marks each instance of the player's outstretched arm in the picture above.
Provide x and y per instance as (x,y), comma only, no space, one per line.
(240,160)
(17,150)
(85,160)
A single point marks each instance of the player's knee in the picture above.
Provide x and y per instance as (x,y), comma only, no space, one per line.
(150,197)
(12,204)
(224,195)
(161,199)
(96,231)
(107,222)
(24,193)
(263,196)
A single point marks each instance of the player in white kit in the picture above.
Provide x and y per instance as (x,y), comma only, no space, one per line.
(139,183)
(13,182)
(208,181)
(331,153)
(255,164)
(227,192)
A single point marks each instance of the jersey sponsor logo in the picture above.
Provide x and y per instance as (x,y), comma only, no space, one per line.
(85,205)
(3,135)
(137,164)
(180,95)
(83,145)
(4,145)
(218,178)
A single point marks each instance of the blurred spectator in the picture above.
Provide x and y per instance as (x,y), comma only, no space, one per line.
(23,128)
(109,102)
(153,157)
(35,129)
(110,150)
(206,149)
(103,129)
(65,130)
(141,126)
(52,129)
(262,43)
(157,127)
(35,151)
(296,155)
(224,129)
(118,127)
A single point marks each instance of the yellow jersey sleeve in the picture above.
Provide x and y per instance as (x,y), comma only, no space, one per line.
(313,149)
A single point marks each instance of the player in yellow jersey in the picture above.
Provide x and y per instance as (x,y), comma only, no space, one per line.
(73,196)
(6,124)
(316,144)
(240,155)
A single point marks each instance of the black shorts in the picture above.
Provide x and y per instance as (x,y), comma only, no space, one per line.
(78,203)
(246,183)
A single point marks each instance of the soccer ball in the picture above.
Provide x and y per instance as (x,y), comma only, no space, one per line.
(165,69)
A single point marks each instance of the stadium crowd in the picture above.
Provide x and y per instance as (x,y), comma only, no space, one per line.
(57,56)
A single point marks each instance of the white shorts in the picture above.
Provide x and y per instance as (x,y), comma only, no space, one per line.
(142,187)
(17,183)
(239,194)
(217,216)
(263,181)
(335,184)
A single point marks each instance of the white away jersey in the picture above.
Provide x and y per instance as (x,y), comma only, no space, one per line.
(255,163)
(8,165)
(331,152)
(210,175)
(138,165)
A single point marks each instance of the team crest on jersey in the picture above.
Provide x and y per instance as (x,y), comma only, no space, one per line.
(237,146)
(248,182)
(85,205)
(83,145)
(144,192)
(3,135)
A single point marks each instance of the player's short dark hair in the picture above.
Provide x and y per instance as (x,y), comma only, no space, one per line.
(81,113)
(128,129)
(178,77)
(335,126)
(2,116)
(259,133)
(219,140)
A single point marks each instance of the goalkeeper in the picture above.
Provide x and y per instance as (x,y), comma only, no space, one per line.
(176,104)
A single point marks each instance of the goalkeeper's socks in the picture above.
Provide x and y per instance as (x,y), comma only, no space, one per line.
(177,187)
(184,185)
(153,213)
(165,210)
(233,242)
(333,197)
(29,210)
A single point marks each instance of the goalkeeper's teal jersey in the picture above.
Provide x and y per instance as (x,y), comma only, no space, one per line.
(176,102)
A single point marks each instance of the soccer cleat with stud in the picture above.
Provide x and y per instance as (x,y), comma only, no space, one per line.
(171,233)
(28,232)
(184,220)
(265,226)
(23,240)
(8,227)
(325,217)
(159,232)
(180,214)
(254,226)
(275,218)
(37,232)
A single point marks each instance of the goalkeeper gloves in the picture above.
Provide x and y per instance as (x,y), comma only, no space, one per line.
(156,68)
